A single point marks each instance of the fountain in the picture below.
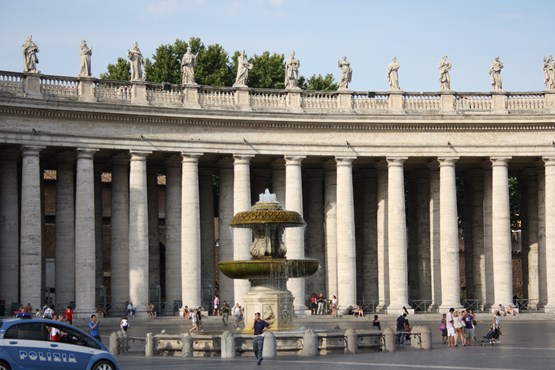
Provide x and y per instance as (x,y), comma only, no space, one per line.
(268,269)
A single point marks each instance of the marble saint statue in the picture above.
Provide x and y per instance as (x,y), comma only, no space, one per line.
(30,59)
(549,72)
(346,73)
(86,52)
(188,64)
(393,74)
(292,71)
(243,67)
(136,60)
(444,77)
(495,74)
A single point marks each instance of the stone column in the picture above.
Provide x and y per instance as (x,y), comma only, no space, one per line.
(99,234)
(294,236)
(9,227)
(190,232)
(501,232)
(206,223)
(242,237)
(449,235)
(530,250)
(346,258)
(476,216)
(85,243)
(411,204)
(330,209)
(138,232)
(435,246)
(31,253)
(65,230)
(173,232)
(488,245)
(381,241)
(550,232)
(226,214)
(397,236)
(153,231)
(278,179)
(423,251)
(119,230)
(369,262)
(314,232)
(542,261)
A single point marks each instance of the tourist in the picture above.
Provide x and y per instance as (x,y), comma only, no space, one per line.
(216,311)
(468,319)
(55,334)
(47,312)
(131,309)
(238,313)
(443,328)
(86,52)
(188,64)
(100,311)
(459,328)
(495,74)
(450,322)
(313,304)
(186,313)
(124,325)
(136,61)
(194,321)
(28,308)
(292,71)
(225,312)
(376,323)
(94,328)
(334,306)
(401,329)
(474,323)
(151,310)
(444,78)
(321,303)
(243,67)
(393,74)
(258,327)
(69,315)
(346,73)
(30,59)
(358,312)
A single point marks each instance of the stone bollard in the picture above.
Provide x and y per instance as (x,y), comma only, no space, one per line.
(187,345)
(389,339)
(149,345)
(227,344)
(269,350)
(310,343)
(114,344)
(426,338)
(351,338)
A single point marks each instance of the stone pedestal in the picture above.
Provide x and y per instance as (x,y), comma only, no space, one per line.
(446,104)
(190,96)
(396,102)
(86,89)
(242,98)
(138,93)
(345,100)
(498,99)
(31,85)
(294,100)
(275,306)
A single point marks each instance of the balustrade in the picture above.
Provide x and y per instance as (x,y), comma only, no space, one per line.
(170,95)
(57,86)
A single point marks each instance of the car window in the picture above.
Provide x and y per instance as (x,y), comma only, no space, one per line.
(27,331)
(71,336)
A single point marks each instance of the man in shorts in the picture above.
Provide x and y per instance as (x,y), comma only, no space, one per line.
(450,323)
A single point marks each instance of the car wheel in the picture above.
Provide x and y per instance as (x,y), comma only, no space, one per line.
(4,366)
(103,365)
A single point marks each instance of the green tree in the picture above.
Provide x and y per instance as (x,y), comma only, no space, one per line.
(268,71)
(213,67)
(318,83)
(166,63)
(119,71)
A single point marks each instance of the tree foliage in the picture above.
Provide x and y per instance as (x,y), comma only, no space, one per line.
(121,71)
(268,71)
(213,68)
(318,83)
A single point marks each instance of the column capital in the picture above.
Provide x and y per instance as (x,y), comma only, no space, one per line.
(293,160)
(344,161)
(242,158)
(139,155)
(190,157)
(447,161)
(549,161)
(500,161)
(31,150)
(395,161)
(86,153)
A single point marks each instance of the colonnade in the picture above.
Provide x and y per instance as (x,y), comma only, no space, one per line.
(373,242)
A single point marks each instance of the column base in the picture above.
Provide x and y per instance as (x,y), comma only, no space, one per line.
(549,308)
(399,310)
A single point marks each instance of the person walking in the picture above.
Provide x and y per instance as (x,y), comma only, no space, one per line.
(94,329)
(376,323)
(69,315)
(258,326)
(225,312)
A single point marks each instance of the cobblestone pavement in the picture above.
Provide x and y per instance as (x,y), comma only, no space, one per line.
(528,342)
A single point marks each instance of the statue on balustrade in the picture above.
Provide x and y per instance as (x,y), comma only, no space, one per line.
(346,73)
(86,52)
(444,78)
(292,71)
(393,74)
(243,67)
(495,74)
(549,72)
(188,64)
(30,59)
(136,58)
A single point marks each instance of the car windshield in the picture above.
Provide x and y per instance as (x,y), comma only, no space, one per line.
(50,331)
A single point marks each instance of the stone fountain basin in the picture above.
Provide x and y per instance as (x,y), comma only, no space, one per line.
(269,268)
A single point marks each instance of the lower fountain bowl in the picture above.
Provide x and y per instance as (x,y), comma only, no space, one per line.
(269,268)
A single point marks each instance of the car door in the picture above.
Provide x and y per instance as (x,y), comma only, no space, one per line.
(26,344)
(74,349)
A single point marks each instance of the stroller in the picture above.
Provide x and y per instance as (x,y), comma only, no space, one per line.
(492,337)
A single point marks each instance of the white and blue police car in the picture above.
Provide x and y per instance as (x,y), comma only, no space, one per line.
(47,344)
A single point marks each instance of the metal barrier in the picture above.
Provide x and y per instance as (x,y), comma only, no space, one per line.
(421,305)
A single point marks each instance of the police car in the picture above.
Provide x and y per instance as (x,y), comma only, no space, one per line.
(46,344)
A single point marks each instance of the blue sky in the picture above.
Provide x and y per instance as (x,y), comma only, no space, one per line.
(368,32)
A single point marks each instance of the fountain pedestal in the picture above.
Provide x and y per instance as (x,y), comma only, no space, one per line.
(275,306)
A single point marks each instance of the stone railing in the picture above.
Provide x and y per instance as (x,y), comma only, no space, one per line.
(272,100)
